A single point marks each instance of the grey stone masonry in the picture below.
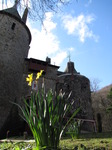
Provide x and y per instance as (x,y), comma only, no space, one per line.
(79,86)
(15,38)
(49,77)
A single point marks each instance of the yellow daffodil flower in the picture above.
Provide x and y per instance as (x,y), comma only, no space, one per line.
(39,74)
(29,79)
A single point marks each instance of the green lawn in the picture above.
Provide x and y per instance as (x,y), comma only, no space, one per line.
(88,141)
(90,144)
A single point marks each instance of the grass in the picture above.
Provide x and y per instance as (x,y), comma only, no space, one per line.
(91,141)
(88,141)
(90,144)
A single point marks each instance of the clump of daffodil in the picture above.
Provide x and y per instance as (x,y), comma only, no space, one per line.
(29,79)
(45,114)
(39,74)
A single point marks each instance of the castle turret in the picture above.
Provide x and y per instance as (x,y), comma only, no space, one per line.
(78,85)
(70,68)
(24,18)
(15,38)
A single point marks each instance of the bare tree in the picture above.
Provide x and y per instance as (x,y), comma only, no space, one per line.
(109,96)
(94,84)
(38,8)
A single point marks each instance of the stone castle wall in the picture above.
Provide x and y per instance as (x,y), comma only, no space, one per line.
(14,46)
(67,82)
(49,77)
(80,87)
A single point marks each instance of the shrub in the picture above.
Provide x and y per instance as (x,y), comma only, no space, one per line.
(74,129)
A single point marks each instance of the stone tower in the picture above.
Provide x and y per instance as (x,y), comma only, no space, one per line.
(15,39)
(79,85)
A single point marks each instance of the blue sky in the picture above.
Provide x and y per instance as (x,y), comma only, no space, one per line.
(82,30)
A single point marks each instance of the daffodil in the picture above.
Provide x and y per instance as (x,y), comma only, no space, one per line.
(39,74)
(29,79)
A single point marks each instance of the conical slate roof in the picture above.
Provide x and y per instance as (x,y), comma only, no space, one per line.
(13,11)
(24,17)
(70,68)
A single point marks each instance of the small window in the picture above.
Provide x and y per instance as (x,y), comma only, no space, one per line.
(13,26)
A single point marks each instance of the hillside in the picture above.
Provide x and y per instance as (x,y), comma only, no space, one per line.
(104,91)
(100,103)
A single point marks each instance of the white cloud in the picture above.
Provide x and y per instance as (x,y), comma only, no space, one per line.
(45,43)
(49,25)
(79,26)
(60,56)
(71,49)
